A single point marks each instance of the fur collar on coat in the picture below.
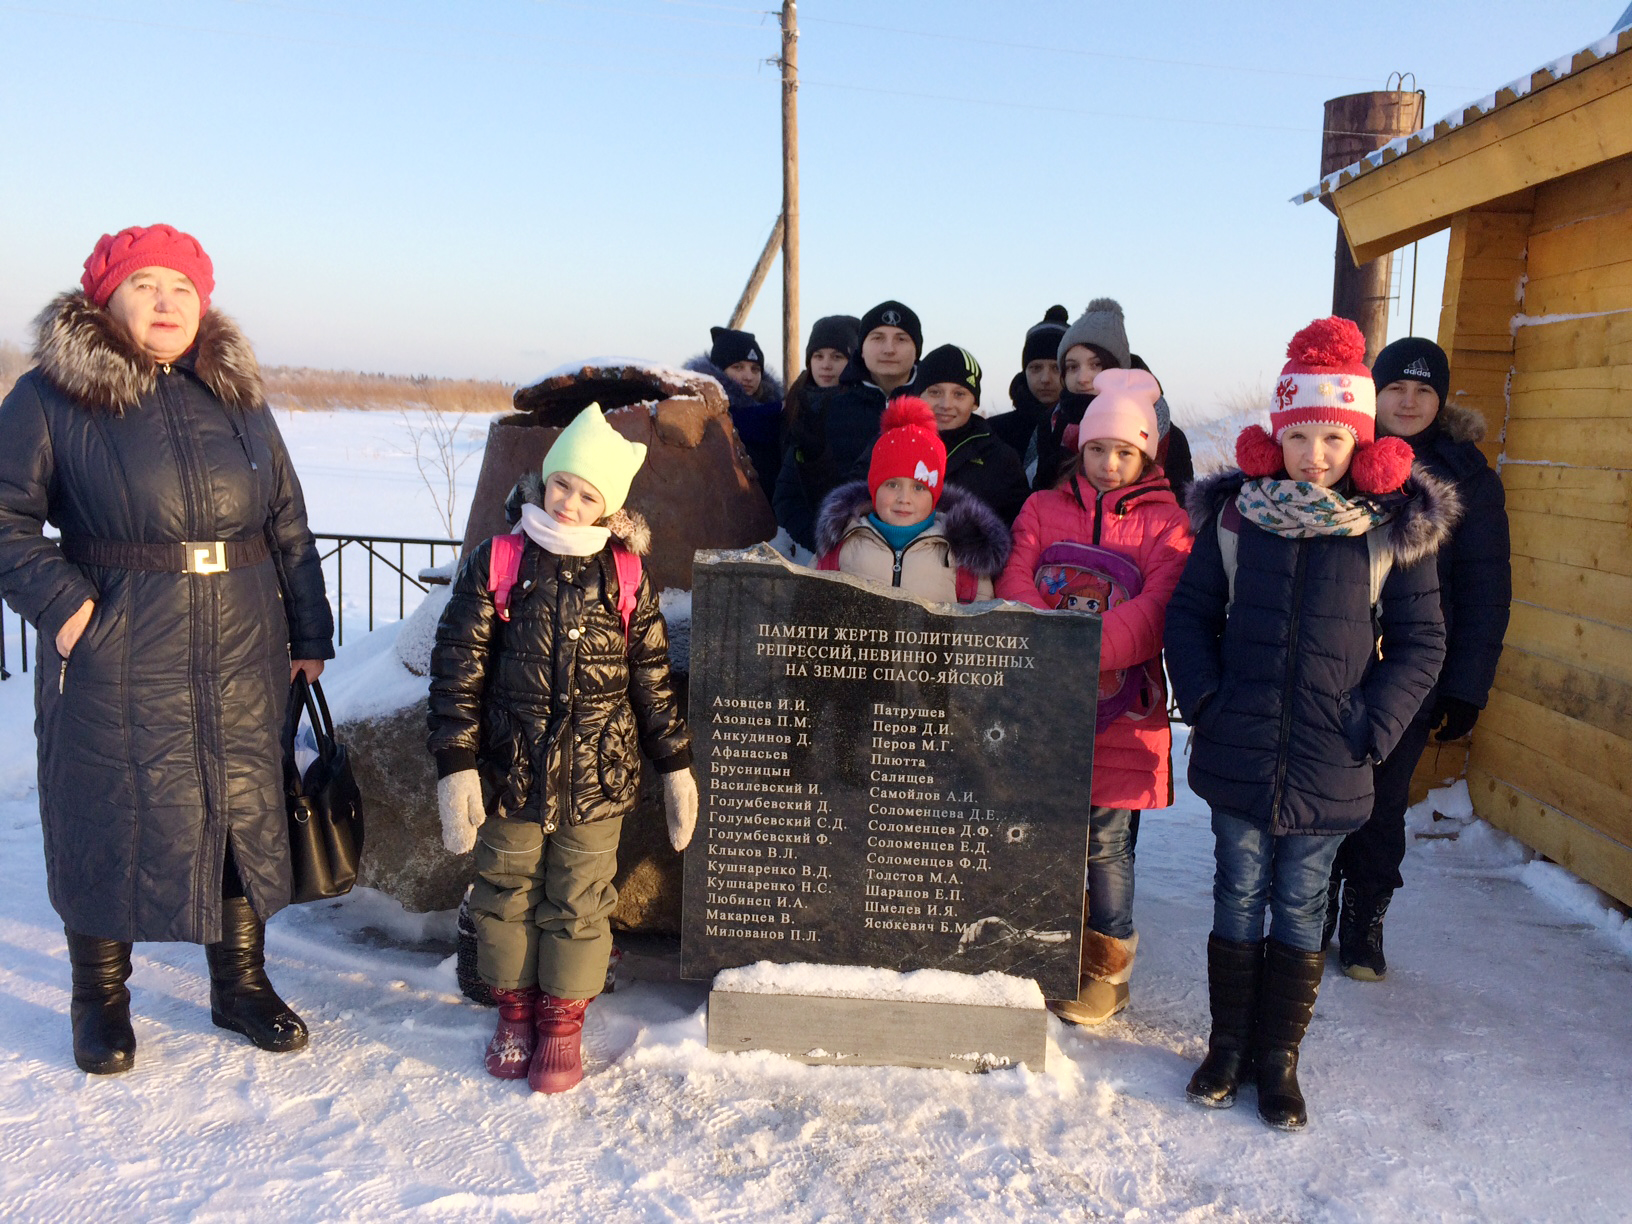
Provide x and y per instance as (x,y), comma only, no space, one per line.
(1426,511)
(1460,424)
(628,527)
(84,352)
(974,534)
(770,387)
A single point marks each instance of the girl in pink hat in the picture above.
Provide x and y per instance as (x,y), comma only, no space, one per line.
(1110,538)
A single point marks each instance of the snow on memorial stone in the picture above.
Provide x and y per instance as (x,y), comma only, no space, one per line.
(885,781)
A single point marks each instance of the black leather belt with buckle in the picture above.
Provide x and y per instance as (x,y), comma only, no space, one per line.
(181,557)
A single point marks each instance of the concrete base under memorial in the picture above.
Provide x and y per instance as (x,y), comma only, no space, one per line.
(858,1016)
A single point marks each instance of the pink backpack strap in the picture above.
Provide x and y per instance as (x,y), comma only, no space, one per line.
(968,585)
(628,584)
(503,565)
(829,560)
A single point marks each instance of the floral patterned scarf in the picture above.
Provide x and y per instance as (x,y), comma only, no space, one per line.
(1298,510)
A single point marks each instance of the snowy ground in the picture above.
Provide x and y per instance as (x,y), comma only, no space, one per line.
(1486,1079)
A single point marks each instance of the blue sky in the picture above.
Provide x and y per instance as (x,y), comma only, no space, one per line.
(490,189)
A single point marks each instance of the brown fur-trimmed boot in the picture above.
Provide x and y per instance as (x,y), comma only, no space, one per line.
(1107,964)
(558,1061)
(510,1052)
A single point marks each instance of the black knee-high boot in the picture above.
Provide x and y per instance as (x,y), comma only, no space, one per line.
(241,998)
(104,1042)
(1233,970)
(1286,1004)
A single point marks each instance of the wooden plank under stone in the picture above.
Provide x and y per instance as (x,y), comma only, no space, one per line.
(878,1032)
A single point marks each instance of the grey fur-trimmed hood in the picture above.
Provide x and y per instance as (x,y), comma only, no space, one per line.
(1427,510)
(1461,424)
(973,532)
(770,386)
(84,352)
(629,527)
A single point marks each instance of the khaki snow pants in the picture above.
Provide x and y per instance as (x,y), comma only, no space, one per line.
(542,905)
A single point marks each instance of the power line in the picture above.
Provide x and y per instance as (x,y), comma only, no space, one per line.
(1102,55)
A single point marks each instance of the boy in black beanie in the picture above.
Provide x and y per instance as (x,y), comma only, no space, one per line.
(948,380)
(1036,389)
(833,433)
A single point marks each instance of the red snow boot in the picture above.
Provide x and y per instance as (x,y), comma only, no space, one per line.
(558,1061)
(511,1050)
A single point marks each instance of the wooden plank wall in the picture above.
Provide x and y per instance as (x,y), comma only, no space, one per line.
(1551,760)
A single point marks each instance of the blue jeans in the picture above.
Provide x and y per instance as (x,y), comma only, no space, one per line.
(1258,871)
(1110,871)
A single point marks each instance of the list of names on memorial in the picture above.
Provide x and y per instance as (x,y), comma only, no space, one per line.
(884,782)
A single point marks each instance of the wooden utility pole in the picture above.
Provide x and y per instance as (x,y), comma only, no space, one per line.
(790,191)
(750,291)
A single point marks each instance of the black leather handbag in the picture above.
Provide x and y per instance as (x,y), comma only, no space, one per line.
(325,806)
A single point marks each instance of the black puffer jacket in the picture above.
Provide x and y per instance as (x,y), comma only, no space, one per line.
(1290,703)
(1476,567)
(553,705)
(158,739)
(1019,428)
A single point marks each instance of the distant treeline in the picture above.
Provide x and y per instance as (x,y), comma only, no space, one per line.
(299,388)
(303,389)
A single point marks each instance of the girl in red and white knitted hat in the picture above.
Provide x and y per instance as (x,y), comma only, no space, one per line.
(1317,550)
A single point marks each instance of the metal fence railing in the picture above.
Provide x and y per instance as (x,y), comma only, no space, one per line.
(376,563)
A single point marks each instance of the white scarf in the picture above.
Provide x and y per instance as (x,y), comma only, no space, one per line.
(560,539)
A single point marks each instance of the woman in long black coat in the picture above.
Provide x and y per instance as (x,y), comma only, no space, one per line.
(184,591)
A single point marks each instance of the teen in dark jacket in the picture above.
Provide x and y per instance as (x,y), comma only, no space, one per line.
(1277,669)
(754,394)
(1036,388)
(164,667)
(827,445)
(1476,594)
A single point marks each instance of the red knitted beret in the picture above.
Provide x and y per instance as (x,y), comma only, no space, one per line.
(154,246)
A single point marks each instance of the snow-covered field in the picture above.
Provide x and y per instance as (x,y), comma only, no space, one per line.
(1487,1079)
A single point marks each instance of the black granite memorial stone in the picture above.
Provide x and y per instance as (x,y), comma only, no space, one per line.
(885,781)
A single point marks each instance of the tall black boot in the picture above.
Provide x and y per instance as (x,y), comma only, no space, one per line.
(241,999)
(1233,972)
(1286,1003)
(1361,938)
(104,1042)
(1329,927)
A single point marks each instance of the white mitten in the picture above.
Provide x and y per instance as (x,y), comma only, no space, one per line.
(459,799)
(680,803)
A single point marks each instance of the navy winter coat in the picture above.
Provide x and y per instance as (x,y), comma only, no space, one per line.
(1476,567)
(1290,704)
(158,736)
(757,419)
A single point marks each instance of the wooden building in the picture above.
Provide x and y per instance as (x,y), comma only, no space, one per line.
(1535,185)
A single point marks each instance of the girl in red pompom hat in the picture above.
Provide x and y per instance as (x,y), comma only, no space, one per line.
(1315,552)
(903,527)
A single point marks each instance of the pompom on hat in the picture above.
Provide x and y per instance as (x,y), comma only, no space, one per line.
(592,450)
(908,445)
(116,256)
(1325,382)
(1124,408)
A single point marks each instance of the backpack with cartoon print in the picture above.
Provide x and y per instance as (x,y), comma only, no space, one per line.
(1091,578)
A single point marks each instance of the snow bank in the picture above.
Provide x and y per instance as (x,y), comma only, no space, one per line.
(675,605)
(366,678)
(860,982)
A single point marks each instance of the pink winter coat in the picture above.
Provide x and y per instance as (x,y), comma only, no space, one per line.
(1144,523)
